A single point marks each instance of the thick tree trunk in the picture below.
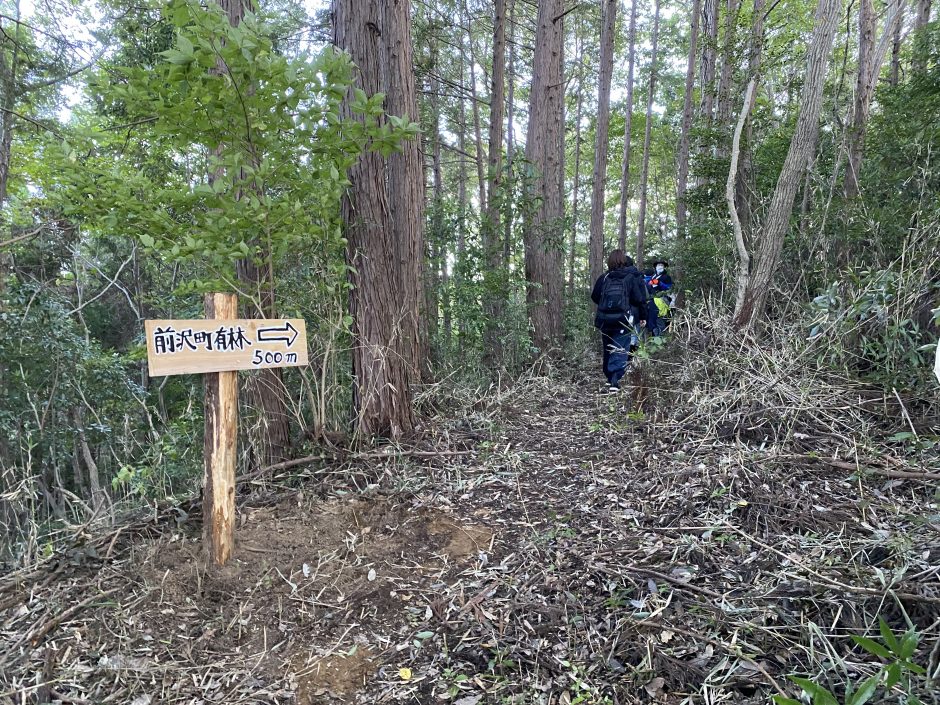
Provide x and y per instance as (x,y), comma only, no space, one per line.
(921,18)
(601,135)
(492,276)
(543,249)
(406,180)
(769,241)
(384,240)
(683,159)
(923,14)
(644,174)
(628,126)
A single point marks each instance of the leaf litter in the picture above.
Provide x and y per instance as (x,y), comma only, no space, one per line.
(694,540)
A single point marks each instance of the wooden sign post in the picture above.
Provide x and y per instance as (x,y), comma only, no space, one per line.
(217,347)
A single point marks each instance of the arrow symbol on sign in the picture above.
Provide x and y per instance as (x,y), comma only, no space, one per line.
(286,334)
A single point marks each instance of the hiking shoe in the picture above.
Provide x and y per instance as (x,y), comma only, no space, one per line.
(613,389)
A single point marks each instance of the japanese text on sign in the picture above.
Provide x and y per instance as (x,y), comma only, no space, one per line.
(198,346)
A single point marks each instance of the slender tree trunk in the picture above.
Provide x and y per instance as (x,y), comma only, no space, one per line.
(543,148)
(746,182)
(726,77)
(627,130)
(510,136)
(463,203)
(644,174)
(8,78)
(751,303)
(562,152)
(265,388)
(492,276)
(895,74)
(920,21)
(709,60)
(683,176)
(436,268)
(870,59)
(744,259)
(475,107)
(601,135)
(866,39)
(383,214)
(575,203)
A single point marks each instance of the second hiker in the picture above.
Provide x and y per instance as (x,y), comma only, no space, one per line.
(621,299)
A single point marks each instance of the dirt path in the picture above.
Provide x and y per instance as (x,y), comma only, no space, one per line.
(580,551)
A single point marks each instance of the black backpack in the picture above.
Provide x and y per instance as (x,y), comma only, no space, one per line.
(615,299)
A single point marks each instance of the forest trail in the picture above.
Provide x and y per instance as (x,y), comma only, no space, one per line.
(569,546)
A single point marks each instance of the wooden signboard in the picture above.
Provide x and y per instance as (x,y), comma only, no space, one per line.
(201,346)
(217,347)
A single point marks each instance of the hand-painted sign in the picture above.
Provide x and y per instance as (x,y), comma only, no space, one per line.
(197,346)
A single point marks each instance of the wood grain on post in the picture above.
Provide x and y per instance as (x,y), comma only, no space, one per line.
(221,435)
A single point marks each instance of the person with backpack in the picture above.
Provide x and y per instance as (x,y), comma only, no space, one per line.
(621,299)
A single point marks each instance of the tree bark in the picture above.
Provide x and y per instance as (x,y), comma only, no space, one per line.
(436,268)
(750,305)
(7,105)
(726,77)
(601,135)
(683,166)
(575,202)
(744,259)
(492,275)
(627,129)
(510,135)
(475,108)
(463,205)
(895,74)
(920,21)
(384,240)
(870,59)
(709,60)
(543,248)
(265,388)
(644,174)
(406,181)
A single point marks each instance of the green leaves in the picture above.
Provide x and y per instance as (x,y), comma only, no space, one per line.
(219,162)
(820,695)
(897,651)
(864,693)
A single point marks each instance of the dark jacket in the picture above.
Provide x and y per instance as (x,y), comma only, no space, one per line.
(638,295)
(657,283)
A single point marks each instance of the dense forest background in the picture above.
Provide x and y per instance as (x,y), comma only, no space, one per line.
(437,214)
